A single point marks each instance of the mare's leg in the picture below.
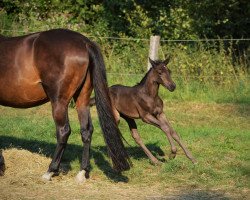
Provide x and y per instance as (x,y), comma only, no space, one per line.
(138,140)
(60,116)
(175,136)
(2,165)
(86,128)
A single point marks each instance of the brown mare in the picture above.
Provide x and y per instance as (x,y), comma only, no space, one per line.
(56,66)
(145,103)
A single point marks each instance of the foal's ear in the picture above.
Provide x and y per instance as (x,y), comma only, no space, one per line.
(153,63)
(166,61)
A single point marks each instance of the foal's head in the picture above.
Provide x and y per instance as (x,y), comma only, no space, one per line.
(162,73)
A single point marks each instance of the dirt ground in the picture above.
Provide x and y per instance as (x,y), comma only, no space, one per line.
(24,169)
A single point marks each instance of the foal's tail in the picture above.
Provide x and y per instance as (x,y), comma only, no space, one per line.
(112,135)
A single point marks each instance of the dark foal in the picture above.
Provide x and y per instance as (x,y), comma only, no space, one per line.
(56,66)
(143,102)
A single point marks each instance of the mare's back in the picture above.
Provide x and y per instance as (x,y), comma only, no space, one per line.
(12,52)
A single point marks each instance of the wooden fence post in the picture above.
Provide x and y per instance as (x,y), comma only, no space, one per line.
(153,49)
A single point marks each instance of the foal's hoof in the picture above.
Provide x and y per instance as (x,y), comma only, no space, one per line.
(172,156)
(155,162)
(194,161)
(47,176)
(80,177)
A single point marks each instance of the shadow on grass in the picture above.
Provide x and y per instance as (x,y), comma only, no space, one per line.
(191,195)
(74,152)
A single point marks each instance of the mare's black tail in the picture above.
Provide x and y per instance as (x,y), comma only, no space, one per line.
(112,135)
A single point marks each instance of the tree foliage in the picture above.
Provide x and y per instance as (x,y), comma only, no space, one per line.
(176,19)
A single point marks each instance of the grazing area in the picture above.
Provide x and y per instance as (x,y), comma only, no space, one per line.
(217,134)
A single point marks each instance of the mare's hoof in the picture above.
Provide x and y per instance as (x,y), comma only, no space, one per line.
(2,169)
(47,176)
(1,172)
(81,177)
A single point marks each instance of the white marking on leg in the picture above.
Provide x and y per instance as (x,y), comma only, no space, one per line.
(47,176)
(80,177)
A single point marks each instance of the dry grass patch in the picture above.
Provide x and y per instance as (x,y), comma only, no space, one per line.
(22,180)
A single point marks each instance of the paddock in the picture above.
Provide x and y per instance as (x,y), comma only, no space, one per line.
(220,146)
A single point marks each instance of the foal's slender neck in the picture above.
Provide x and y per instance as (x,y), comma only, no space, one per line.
(149,84)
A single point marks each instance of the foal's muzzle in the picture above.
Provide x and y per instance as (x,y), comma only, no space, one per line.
(171,87)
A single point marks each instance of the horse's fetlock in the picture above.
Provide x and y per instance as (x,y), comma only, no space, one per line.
(174,150)
(53,167)
(86,134)
(86,138)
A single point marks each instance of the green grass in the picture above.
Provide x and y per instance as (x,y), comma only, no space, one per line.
(218,135)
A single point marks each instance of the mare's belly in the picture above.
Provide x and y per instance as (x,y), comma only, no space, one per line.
(22,92)
(20,84)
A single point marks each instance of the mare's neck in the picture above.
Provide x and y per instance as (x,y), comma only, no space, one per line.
(149,85)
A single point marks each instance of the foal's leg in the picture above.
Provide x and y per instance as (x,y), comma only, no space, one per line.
(60,116)
(86,128)
(138,140)
(150,119)
(176,137)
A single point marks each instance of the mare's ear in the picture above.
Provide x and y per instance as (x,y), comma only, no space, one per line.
(166,61)
(153,63)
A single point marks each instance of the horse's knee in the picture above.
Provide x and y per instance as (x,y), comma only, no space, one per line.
(166,129)
(86,135)
(63,133)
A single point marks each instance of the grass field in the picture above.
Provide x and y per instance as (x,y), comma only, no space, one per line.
(218,135)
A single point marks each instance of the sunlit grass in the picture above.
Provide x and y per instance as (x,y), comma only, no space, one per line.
(218,135)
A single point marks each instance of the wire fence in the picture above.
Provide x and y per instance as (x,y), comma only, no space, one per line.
(126,56)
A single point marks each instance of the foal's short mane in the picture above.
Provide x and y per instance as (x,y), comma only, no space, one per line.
(157,62)
(144,78)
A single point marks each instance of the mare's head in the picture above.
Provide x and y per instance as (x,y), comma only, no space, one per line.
(162,73)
